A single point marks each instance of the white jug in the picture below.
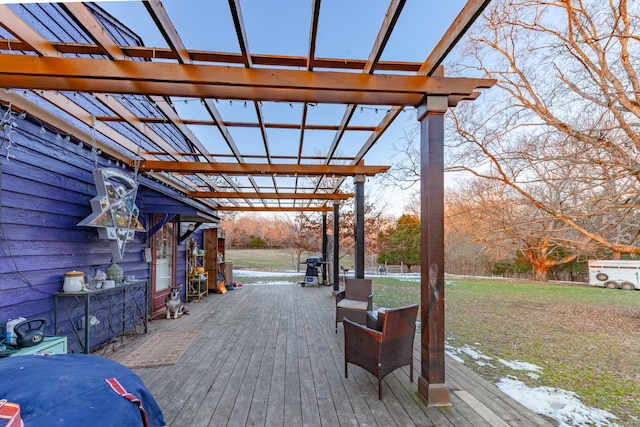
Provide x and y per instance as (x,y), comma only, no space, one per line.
(73,281)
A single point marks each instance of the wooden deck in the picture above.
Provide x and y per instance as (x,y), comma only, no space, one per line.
(269,356)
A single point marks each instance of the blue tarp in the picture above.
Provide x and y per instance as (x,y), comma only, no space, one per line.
(70,390)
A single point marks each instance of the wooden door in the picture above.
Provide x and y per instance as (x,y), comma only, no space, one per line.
(163,264)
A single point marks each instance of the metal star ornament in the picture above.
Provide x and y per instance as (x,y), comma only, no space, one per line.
(115,213)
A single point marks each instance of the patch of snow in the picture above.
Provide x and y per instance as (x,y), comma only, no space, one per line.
(475,354)
(479,363)
(561,405)
(270,283)
(520,366)
(455,357)
(453,352)
(558,404)
(255,273)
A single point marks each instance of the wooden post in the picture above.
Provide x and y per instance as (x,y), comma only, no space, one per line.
(336,245)
(359,227)
(431,383)
(210,244)
(324,247)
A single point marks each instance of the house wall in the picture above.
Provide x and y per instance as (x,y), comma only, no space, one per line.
(46,185)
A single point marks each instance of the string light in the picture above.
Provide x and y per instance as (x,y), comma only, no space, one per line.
(8,125)
(94,148)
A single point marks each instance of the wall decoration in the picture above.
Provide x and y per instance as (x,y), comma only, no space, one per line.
(115,213)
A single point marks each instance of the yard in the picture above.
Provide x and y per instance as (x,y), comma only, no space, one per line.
(584,339)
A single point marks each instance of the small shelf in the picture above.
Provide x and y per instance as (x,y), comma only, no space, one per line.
(91,319)
(49,345)
(197,278)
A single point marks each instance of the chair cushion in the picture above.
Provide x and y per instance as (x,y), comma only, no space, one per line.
(350,304)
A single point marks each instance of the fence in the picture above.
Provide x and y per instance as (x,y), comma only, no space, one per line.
(384,270)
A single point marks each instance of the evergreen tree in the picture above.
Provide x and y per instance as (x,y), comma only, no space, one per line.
(402,243)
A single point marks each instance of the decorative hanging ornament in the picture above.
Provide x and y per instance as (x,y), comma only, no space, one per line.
(115,213)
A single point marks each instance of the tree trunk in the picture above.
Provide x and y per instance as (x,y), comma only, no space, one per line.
(298,255)
(540,273)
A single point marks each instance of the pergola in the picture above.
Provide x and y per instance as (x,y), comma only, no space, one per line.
(38,72)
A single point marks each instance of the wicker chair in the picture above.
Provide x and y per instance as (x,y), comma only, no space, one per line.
(381,352)
(354,301)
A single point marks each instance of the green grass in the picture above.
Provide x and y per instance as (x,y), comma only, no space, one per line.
(584,338)
(271,259)
(264,259)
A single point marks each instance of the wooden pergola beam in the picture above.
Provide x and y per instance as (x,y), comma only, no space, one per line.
(211,81)
(260,168)
(149,52)
(248,156)
(467,16)
(266,195)
(28,37)
(273,209)
(200,122)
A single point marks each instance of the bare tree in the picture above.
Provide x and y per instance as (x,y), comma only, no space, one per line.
(560,128)
(305,234)
(506,224)
(465,252)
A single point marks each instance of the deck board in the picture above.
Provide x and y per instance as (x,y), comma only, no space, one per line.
(269,356)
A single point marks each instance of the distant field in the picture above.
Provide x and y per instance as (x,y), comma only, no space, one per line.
(268,259)
(265,259)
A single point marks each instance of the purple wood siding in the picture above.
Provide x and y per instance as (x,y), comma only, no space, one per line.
(46,185)
(45,189)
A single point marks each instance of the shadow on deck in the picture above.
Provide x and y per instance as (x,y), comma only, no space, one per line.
(269,356)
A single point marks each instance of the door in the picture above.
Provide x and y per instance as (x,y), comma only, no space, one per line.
(164,261)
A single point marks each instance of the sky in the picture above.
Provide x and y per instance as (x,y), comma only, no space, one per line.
(346,30)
